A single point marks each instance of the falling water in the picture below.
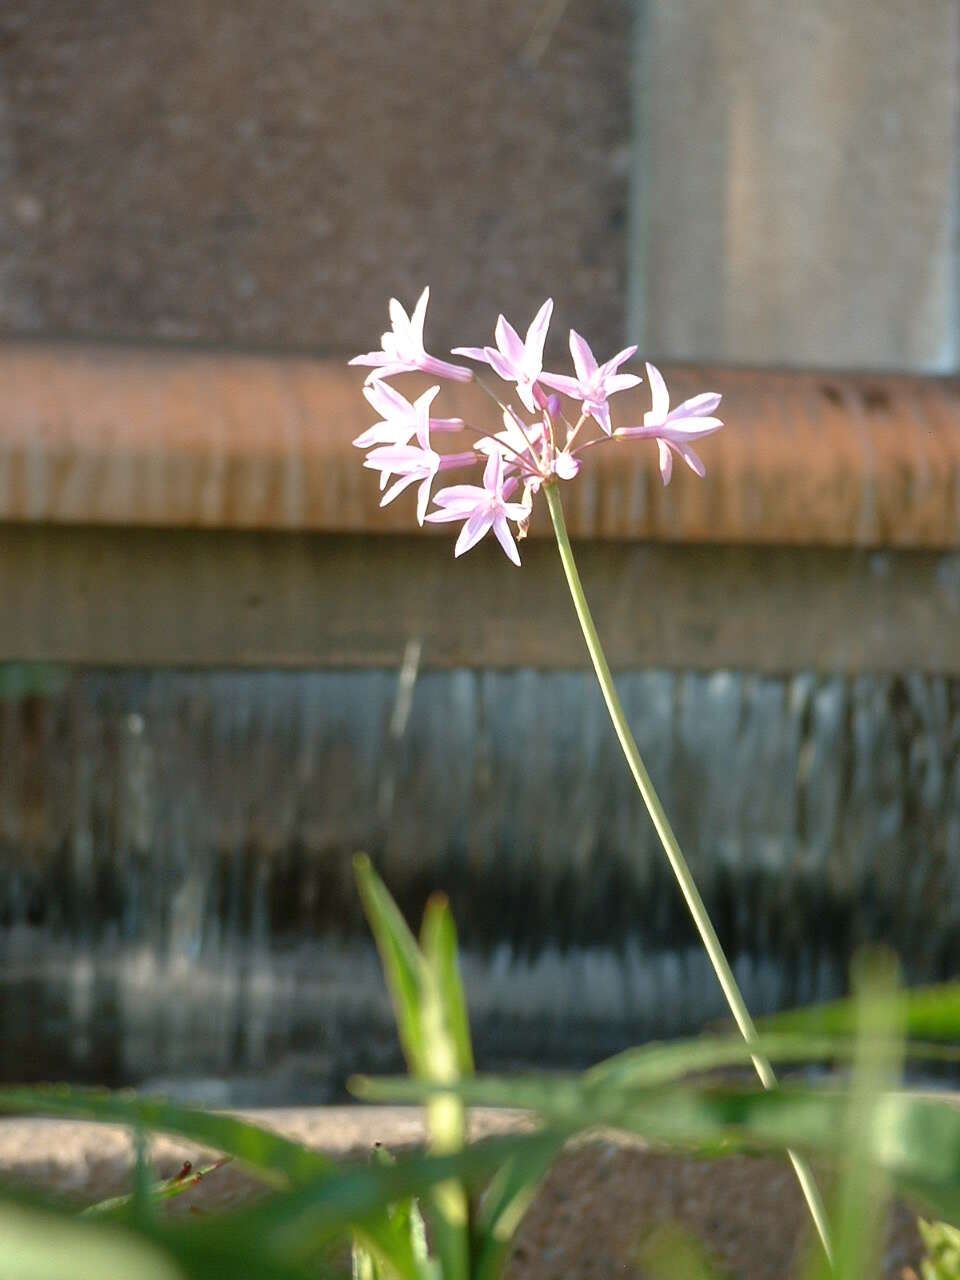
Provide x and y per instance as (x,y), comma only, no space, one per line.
(176,903)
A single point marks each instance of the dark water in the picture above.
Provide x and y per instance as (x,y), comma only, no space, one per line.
(176,903)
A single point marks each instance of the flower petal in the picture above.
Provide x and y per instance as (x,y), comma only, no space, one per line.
(397,488)
(447,515)
(515,511)
(472,353)
(501,531)
(613,364)
(560,382)
(471,533)
(418,316)
(691,428)
(692,460)
(584,360)
(372,358)
(600,412)
(699,406)
(615,382)
(567,466)
(384,433)
(536,337)
(527,398)
(659,393)
(666,461)
(423,498)
(500,365)
(508,340)
(399,319)
(422,408)
(444,369)
(459,493)
(493,472)
(387,401)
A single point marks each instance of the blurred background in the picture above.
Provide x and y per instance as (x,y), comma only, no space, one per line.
(223,670)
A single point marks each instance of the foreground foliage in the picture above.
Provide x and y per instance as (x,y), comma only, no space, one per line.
(467,1199)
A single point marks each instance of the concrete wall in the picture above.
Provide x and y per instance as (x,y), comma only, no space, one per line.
(796,182)
(268,173)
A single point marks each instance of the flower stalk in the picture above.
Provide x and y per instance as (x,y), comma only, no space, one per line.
(678,863)
(525,454)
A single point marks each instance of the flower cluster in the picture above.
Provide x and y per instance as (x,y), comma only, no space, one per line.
(526,454)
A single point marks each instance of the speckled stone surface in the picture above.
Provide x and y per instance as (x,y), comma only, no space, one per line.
(269,174)
(591,1217)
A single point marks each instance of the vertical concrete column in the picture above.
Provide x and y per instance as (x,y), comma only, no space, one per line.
(796,182)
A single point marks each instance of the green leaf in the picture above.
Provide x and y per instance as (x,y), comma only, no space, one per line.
(505,1202)
(421,986)
(168,1189)
(670,1253)
(856,1228)
(402,962)
(438,940)
(43,1245)
(925,1013)
(309,1214)
(942,1251)
(277,1159)
(917,1138)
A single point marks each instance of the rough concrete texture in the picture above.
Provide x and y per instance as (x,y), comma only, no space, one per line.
(268,174)
(797,198)
(592,1218)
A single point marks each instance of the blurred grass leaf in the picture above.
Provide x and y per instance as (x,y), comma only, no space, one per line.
(941,1243)
(432,1022)
(925,1013)
(438,940)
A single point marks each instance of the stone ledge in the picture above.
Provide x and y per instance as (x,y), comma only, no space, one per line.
(115,435)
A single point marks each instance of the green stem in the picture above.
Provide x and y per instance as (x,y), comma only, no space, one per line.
(671,848)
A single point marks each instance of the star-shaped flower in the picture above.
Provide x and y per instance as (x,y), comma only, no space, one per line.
(398,423)
(594,383)
(673,429)
(411,463)
(515,360)
(482,508)
(403,350)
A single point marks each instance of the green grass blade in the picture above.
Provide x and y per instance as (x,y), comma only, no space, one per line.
(43,1245)
(168,1189)
(421,985)
(864,1188)
(276,1158)
(438,941)
(926,1013)
(648,1067)
(917,1138)
(403,965)
(670,1253)
(505,1202)
(305,1217)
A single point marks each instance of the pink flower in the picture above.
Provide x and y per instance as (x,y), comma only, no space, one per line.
(594,383)
(398,423)
(513,360)
(403,350)
(413,463)
(517,442)
(482,508)
(673,429)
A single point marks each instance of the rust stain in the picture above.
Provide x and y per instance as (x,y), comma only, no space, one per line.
(125,436)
